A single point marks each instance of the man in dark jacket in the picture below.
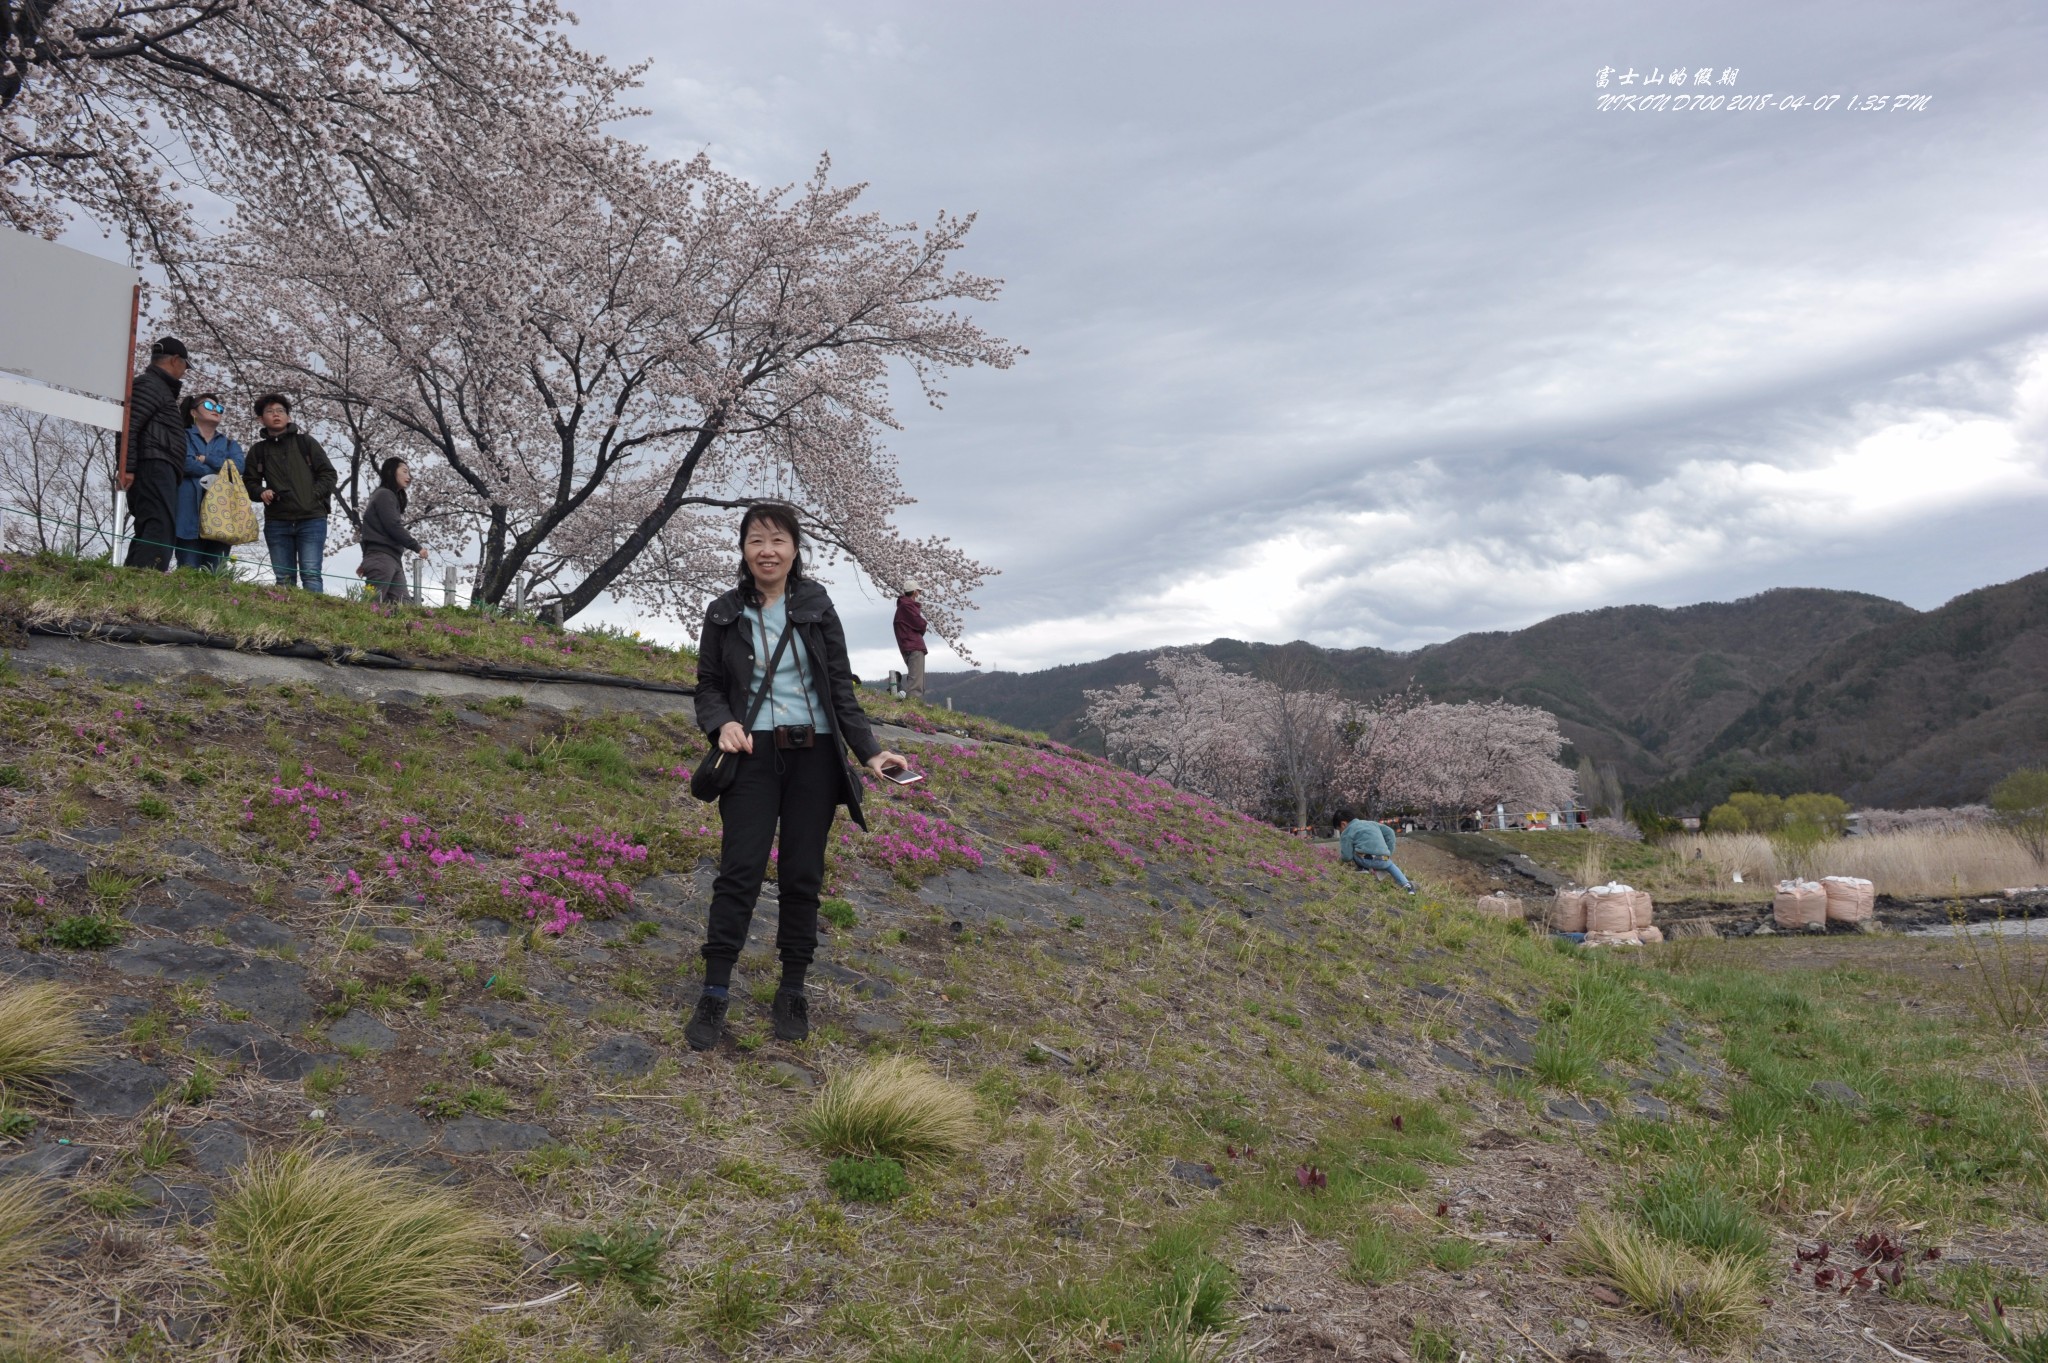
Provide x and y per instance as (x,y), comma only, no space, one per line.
(156,456)
(291,475)
(910,639)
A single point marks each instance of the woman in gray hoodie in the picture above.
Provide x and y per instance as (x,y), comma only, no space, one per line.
(385,539)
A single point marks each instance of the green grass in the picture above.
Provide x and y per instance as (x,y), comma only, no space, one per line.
(1378,1255)
(867,1180)
(1931,1139)
(623,1255)
(84,932)
(52,586)
(735,1301)
(1683,1205)
(323,1254)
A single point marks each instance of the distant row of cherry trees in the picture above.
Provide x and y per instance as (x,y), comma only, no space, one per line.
(1294,752)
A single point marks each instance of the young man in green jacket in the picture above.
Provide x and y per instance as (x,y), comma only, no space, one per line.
(290,474)
(1368,846)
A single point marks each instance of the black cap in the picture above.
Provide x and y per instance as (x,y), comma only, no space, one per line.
(169,346)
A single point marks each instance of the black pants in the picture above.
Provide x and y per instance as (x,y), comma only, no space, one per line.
(153,511)
(799,789)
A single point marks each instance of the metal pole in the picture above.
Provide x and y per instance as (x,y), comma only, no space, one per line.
(418,572)
(448,587)
(518,595)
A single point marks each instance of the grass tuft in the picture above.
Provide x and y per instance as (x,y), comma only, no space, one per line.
(895,1108)
(316,1251)
(24,1231)
(1707,1301)
(41,1035)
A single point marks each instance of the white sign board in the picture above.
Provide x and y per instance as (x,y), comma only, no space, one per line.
(64,320)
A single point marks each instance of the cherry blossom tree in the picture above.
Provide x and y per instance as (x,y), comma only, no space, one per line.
(595,357)
(116,109)
(56,484)
(1195,728)
(1411,754)
(1282,752)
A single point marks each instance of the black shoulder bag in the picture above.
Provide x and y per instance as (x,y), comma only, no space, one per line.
(714,775)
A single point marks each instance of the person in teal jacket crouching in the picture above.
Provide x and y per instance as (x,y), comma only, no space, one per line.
(1369,846)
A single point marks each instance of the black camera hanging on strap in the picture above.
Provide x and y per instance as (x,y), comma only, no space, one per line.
(716,773)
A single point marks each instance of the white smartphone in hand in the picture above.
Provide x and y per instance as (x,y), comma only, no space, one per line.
(902,776)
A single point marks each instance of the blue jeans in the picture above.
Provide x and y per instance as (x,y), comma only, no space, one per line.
(296,549)
(1386,864)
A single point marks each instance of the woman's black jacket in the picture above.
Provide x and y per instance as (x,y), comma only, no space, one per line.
(725,676)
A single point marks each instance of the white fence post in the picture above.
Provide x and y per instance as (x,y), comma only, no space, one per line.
(448,587)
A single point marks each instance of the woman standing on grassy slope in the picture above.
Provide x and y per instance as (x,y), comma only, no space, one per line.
(793,771)
(207,452)
(385,538)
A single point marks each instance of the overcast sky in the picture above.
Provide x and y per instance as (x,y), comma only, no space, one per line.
(1362,324)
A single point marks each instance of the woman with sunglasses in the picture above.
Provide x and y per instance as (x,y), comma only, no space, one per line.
(207,452)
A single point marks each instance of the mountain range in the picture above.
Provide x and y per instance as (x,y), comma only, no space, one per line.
(1792,689)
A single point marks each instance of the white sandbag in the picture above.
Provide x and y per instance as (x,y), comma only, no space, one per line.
(1851,899)
(1501,906)
(1613,939)
(1645,912)
(1800,904)
(1610,909)
(1568,914)
(1651,935)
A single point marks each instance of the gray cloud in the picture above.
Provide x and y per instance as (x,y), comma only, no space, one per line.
(1359,322)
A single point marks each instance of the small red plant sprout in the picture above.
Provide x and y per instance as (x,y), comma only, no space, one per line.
(1443,1209)
(1397,1121)
(1817,1255)
(1311,1179)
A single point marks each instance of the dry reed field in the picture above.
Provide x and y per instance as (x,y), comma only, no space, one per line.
(1913,864)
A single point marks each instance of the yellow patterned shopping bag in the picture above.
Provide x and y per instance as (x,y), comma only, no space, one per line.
(225,514)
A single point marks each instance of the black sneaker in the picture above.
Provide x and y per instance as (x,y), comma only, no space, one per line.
(707,1024)
(792,1012)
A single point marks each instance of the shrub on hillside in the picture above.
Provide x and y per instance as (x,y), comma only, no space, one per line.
(895,1108)
(41,1034)
(326,1253)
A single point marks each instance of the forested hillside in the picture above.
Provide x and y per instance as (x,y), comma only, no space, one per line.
(1644,687)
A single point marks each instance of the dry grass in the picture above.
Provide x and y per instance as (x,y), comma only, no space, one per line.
(1708,1300)
(893,1107)
(41,1034)
(319,1251)
(1915,863)
(24,1230)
